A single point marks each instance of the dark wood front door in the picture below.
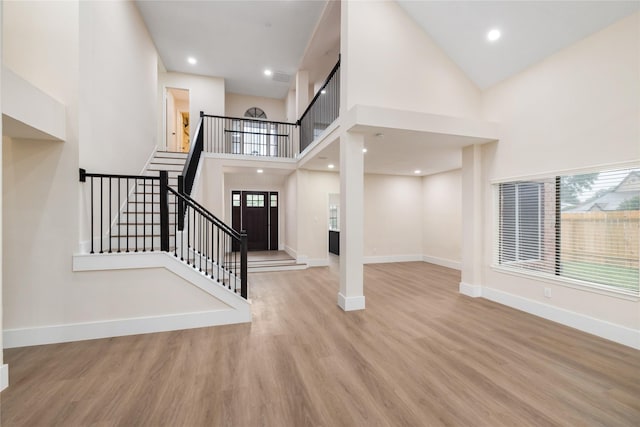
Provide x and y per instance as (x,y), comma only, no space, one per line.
(256,212)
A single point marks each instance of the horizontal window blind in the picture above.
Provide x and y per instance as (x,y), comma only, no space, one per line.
(582,227)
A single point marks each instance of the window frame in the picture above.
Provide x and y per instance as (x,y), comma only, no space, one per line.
(555,275)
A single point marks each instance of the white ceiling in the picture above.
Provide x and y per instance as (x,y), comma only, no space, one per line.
(236,40)
(400,152)
(531,30)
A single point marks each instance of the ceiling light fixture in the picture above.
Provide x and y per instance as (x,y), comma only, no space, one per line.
(268,72)
(493,34)
(260,171)
(191,60)
(364,150)
(323,91)
(331,166)
(417,171)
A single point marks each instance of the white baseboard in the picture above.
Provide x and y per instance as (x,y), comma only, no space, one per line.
(291,252)
(318,262)
(611,331)
(383,259)
(449,263)
(4,377)
(350,303)
(121,327)
(474,291)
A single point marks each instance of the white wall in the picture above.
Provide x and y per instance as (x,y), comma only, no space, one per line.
(291,213)
(118,74)
(236,105)
(41,192)
(205,94)
(576,109)
(313,190)
(1,254)
(392,217)
(290,107)
(442,217)
(389,61)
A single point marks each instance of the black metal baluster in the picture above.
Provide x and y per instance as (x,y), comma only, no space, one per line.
(92,230)
(135,203)
(101,215)
(110,234)
(119,214)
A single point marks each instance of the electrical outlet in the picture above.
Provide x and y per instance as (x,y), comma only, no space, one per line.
(547,292)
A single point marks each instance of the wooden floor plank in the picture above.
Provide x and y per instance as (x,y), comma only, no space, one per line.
(421,354)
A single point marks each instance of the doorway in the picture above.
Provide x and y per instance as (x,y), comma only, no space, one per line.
(256,212)
(177,136)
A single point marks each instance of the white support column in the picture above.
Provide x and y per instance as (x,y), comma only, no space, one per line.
(472,201)
(302,92)
(351,296)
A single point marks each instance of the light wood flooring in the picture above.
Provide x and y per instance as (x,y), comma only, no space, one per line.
(419,355)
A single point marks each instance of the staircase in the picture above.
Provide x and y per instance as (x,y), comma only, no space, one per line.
(137,228)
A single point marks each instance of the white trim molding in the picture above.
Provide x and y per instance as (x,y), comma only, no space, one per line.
(121,327)
(611,331)
(383,259)
(473,291)
(317,262)
(449,263)
(351,303)
(4,376)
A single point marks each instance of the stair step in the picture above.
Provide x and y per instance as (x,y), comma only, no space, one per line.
(180,154)
(167,161)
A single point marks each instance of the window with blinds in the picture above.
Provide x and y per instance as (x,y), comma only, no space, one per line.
(581,228)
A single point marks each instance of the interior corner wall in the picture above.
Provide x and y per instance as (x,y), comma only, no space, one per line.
(442,217)
(1,199)
(290,107)
(40,178)
(236,105)
(389,61)
(291,213)
(392,218)
(206,94)
(118,95)
(576,109)
(313,189)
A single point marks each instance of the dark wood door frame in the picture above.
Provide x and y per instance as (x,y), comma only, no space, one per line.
(257,213)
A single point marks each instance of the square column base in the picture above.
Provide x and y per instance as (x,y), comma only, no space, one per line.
(350,303)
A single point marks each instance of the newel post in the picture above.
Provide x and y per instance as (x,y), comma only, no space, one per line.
(244,243)
(164,211)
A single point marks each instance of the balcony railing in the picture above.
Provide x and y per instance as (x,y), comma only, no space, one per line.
(249,137)
(322,111)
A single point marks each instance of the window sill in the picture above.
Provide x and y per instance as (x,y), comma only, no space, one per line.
(567,282)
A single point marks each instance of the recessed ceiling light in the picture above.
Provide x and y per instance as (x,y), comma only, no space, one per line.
(323,91)
(493,34)
(260,171)
(191,60)
(364,150)
(268,72)
(331,166)
(417,171)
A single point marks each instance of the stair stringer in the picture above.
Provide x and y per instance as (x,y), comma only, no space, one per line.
(239,309)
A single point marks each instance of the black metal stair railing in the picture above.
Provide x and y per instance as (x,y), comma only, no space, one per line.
(130,213)
(323,109)
(208,244)
(249,137)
